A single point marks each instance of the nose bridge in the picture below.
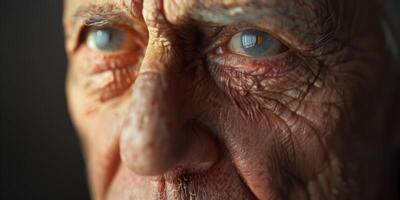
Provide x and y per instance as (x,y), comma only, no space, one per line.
(152,138)
(155,137)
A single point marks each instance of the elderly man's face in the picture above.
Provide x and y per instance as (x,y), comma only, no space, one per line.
(227,99)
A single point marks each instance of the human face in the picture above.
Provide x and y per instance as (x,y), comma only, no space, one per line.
(233,99)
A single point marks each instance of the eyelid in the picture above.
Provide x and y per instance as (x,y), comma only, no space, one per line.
(137,39)
(228,32)
(103,61)
(133,26)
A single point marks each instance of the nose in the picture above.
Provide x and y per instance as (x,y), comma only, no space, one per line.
(159,133)
(156,137)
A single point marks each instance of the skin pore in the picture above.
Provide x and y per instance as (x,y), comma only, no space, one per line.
(179,111)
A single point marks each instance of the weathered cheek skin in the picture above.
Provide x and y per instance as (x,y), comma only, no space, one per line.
(275,149)
(296,136)
(308,147)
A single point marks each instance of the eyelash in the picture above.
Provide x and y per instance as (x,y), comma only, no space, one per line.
(223,36)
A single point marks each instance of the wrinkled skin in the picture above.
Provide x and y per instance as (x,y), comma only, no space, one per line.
(190,120)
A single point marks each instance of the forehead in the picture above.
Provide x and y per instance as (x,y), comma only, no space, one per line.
(204,2)
(293,20)
(217,11)
(233,6)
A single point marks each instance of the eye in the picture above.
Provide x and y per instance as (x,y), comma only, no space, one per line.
(111,56)
(109,40)
(255,43)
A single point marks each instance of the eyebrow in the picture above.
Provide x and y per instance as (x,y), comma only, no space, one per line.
(279,15)
(105,14)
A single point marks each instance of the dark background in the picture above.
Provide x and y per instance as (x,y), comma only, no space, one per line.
(40,152)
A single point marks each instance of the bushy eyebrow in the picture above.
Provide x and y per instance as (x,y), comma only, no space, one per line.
(101,15)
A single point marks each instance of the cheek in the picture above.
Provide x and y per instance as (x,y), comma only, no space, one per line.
(98,128)
(97,122)
(273,143)
(89,117)
(281,146)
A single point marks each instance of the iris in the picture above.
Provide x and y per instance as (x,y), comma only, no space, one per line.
(255,43)
(105,39)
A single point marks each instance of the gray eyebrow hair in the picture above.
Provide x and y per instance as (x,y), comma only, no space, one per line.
(102,15)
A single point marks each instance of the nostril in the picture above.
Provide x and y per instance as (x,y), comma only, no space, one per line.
(149,156)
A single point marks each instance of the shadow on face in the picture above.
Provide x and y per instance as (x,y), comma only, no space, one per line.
(229,99)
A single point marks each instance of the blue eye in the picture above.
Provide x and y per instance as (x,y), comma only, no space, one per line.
(254,43)
(105,39)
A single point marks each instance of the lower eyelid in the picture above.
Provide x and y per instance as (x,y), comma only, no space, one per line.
(97,63)
(110,84)
(109,75)
(272,66)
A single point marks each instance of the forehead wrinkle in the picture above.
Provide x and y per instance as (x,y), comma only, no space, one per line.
(134,7)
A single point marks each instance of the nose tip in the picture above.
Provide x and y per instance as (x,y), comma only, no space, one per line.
(148,144)
(154,138)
